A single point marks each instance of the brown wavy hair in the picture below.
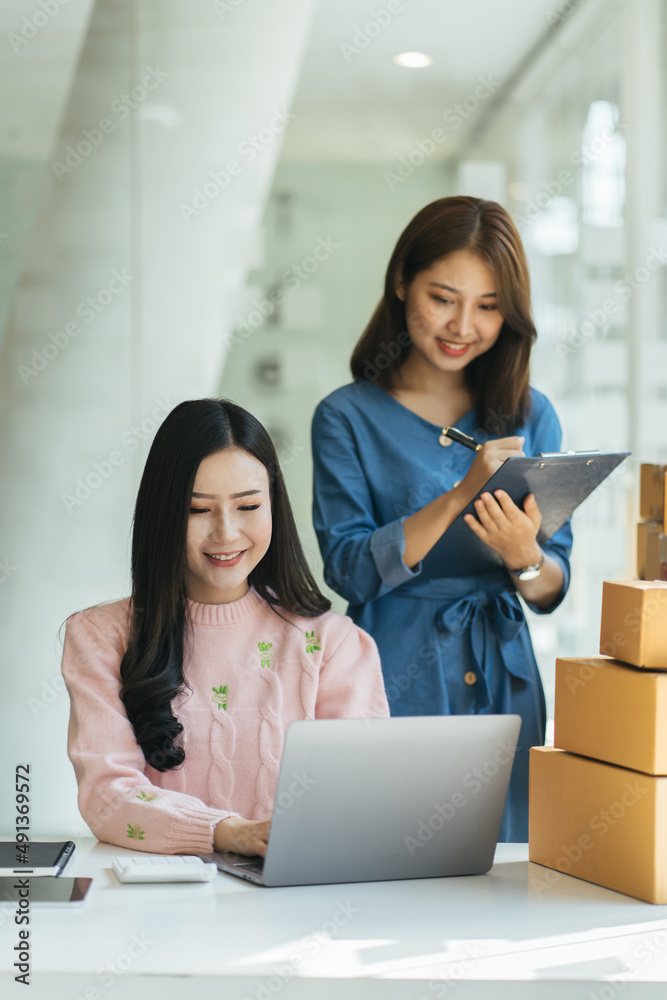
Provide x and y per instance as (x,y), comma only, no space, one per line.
(497,379)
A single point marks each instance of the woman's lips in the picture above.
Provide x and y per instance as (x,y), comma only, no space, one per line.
(225,562)
(452,349)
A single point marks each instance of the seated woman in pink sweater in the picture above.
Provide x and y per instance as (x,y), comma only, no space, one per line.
(181,694)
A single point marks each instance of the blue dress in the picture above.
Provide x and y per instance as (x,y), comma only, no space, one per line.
(452,639)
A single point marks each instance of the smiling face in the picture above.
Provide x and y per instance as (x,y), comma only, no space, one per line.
(229,527)
(452,311)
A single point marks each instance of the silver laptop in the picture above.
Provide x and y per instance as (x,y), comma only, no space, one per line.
(362,800)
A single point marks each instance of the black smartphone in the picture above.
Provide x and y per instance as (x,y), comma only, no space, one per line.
(44,891)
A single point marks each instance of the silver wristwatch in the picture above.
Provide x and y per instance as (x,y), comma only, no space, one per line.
(529,572)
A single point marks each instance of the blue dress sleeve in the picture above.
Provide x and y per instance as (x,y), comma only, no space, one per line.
(544,435)
(362,559)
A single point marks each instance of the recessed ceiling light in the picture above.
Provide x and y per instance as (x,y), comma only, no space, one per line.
(163,114)
(518,190)
(413,60)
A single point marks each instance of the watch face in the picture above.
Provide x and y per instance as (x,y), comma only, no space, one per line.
(530,574)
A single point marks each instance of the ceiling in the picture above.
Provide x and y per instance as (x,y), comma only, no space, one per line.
(354,103)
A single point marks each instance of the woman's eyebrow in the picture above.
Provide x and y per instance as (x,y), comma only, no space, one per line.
(246,493)
(439,284)
(234,496)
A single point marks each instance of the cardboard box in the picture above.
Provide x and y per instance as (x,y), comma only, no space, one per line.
(634,622)
(649,534)
(652,493)
(599,822)
(616,713)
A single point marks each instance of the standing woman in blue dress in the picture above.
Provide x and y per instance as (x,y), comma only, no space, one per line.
(448,345)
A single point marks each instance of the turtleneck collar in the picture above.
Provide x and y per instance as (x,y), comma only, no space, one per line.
(225,614)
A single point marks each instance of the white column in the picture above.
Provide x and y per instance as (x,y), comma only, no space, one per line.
(642,111)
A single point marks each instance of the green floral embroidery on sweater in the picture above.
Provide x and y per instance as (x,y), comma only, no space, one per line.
(135,832)
(265,653)
(312,642)
(147,796)
(220,696)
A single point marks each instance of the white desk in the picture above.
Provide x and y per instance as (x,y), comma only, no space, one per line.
(505,934)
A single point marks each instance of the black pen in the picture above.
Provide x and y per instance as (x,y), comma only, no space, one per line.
(453,434)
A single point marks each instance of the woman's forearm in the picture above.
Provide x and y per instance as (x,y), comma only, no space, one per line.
(545,588)
(424,528)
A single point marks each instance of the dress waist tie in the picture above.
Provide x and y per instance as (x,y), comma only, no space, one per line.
(489,610)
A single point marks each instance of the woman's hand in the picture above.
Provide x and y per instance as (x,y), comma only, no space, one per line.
(487,461)
(512,533)
(243,836)
(423,529)
(508,530)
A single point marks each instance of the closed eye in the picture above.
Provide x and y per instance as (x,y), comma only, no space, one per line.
(206,510)
(449,302)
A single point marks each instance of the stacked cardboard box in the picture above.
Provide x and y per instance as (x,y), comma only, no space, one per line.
(652,529)
(598,803)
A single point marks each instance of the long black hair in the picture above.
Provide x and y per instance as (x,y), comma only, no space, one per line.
(497,379)
(152,668)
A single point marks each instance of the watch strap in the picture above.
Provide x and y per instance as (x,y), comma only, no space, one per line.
(529,572)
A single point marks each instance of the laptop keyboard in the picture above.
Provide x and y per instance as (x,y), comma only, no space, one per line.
(254,867)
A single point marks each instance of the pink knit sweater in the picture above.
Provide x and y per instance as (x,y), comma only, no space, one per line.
(250,674)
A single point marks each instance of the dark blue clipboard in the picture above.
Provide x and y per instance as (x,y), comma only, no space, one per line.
(560,483)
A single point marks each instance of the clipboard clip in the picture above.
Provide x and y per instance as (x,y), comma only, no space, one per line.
(561,454)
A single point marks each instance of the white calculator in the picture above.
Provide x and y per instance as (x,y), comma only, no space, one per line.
(163,868)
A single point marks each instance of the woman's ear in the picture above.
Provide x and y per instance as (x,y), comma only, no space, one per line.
(399,287)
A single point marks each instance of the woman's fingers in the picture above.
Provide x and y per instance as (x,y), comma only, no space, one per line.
(512,444)
(475,526)
(515,514)
(492,454)
(489,520)
(254,837)
(489,511)
(263,836)
(532,510)
(504,526)
(504,446)
(512,512)
(488,460)
(243,836)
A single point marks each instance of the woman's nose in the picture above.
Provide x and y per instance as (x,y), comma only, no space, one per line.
(461,321)
(224,525)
